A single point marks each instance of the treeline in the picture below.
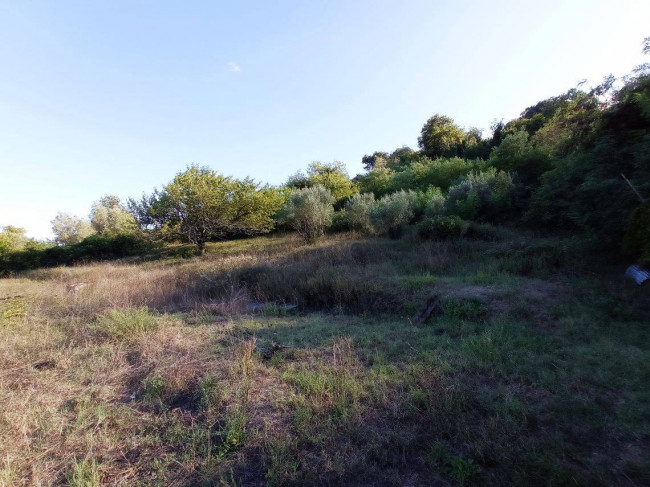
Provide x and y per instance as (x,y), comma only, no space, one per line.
(577,162)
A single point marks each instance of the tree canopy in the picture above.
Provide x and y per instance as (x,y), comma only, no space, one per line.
(199,205)
(69,229)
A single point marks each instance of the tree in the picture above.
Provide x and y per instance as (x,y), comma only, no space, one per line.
(394,211)
(440,136)
(309,212)
(375,161)
(377,181)
(69,229)
(109,217)
(518,153)
(358,211)
(199,205)
(402,157)
(332,176)
(12,239)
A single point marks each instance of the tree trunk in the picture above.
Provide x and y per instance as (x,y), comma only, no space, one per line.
(200,248)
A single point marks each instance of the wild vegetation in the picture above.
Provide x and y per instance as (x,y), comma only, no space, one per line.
(456,315)
(494,360)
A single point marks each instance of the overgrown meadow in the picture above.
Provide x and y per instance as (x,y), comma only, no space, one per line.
(509,360)
(455,315)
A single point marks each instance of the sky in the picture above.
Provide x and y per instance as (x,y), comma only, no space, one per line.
(116,97)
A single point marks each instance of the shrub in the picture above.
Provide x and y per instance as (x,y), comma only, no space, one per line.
(339,223)
(95,247)
(441,173)
(434,202)
(517,153)
(394,211)
(309,212)
(481,195)
(442,227)
(358,211)
(378,181)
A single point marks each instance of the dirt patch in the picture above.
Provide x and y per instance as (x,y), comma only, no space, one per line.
(531,299)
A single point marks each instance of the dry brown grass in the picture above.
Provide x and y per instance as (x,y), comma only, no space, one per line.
(150,373)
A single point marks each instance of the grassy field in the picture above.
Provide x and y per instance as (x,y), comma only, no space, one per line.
(506,360)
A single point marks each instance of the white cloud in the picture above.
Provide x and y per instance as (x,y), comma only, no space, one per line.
(234,67)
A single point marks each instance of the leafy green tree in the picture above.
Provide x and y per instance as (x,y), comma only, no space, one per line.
(441,172)
(440,136)
(572,123)
(402,157)
(375,161)
(434,202)
(377,181)
(69,229)
(109,217)
(12,239)
(309,211)
(332,176)
(518,153)
(483,195)
(199,205)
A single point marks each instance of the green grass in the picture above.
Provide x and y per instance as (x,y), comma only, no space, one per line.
(525,373)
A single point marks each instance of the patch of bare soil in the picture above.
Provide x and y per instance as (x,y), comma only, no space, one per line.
(532,299)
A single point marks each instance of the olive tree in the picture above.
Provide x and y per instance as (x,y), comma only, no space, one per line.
(69,229)
(393,211)
(309,212)
(358,211)
(109,217)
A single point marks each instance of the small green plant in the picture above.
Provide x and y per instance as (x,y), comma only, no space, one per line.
(278,359)
(209,393)
(126,324)
(302,417)
(463,470)
(233,432)
(282,462)
(85,474)
(155,388)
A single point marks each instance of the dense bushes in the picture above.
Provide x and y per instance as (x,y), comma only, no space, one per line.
(419,175)
(358,212)
(393,212)
(484,195)
(95,247)
(442,227)
(518,154)
(309,212)
(557,167)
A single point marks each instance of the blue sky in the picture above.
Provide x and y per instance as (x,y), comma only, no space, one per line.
(115,97)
